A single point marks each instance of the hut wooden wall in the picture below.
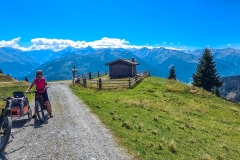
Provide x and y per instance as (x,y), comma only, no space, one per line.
(120,69)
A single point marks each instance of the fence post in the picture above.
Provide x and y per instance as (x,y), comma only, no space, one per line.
(105,72)
(100,84)
(145,74)
(84,82)
(90,75)
(98,74)
(148,72)
(129,80)
(74,70)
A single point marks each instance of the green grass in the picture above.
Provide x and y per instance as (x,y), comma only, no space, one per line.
(5,78)
(165,119)
(8,85)
(8,92)
(7,81)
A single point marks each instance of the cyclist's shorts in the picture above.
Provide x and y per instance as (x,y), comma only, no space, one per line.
(45,96)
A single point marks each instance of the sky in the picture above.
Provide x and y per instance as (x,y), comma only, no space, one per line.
(56,24)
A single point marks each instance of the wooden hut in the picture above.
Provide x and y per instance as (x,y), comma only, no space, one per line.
(122,68)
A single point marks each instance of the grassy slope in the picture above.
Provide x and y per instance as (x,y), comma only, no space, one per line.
(7,81)
(163,119)
(5,78)
(8,85)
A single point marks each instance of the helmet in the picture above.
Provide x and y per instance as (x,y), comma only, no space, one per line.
(39,72)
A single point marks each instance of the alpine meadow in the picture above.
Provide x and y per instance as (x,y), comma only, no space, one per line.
(120,80)
(166,119)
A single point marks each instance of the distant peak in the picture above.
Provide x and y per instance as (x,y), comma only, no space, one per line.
(89,48)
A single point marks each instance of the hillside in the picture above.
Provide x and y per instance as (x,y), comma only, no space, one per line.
(7,81)
(15,62)
(6,78)
(8,85)
(231,88)
(164,119)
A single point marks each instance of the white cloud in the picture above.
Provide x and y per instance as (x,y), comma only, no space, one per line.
(12,43)
(164,42)
(173,48)
(171,43)
(59,44)
(55,44)
(229,45)
(178,42)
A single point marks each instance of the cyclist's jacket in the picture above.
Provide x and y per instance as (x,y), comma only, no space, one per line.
(40,84)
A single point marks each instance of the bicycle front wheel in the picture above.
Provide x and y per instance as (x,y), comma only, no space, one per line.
(5,132)
(39,110)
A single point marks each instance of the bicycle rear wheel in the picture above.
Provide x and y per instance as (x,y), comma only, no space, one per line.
(39,110)
(5,132)
(29,114)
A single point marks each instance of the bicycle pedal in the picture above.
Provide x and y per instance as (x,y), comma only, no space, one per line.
(12,136)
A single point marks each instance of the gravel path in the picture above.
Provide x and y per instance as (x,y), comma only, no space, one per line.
(73,133)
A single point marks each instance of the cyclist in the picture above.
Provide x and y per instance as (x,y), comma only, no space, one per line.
(41,84)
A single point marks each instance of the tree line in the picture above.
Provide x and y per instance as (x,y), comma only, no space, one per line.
(206,75)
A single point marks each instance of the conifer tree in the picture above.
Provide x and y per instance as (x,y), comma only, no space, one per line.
(172,73)
(26,79)
(206,75)
(217,92)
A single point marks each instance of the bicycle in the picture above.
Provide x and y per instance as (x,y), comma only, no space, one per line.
(39,104)
(5,124)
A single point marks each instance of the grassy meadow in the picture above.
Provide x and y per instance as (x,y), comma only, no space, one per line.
(165,119)
(7,81)
(8,85)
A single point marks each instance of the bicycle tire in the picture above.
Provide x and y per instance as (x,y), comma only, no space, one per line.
(39,110)
(29,114)
(5,132)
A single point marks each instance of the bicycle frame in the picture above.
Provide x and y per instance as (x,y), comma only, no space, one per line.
(39,102)
(38,97)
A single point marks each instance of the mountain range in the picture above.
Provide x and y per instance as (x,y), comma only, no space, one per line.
(230,88)
(58,64)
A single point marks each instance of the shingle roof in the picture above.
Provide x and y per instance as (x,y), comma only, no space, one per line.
(123,60)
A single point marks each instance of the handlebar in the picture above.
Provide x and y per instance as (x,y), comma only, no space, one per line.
(28,92)
(6,99)
(35,91)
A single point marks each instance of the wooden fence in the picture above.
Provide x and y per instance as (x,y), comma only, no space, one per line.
(107,83)
(92,75)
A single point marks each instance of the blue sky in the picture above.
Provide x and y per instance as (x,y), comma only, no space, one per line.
(189,24)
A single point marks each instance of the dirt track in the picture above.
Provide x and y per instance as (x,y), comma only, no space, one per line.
(73,133)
